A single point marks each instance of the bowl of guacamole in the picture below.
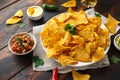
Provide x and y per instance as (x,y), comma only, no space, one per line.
(117,41)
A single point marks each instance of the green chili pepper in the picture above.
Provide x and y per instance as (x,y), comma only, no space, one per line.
(50,7)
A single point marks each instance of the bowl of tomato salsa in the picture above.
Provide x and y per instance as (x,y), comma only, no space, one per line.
(22,43)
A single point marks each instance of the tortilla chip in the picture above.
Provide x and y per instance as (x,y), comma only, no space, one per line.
(78,76)
(52,33)
(66,60)
(57,49)
(88,32)
(13,20)
(71,3)
(78,40)
(66,38)
(111,24)
(77,18)
(50,53)
(88,48)
(95,20)
(65,16)
(103,40)
(80,54)
(31,10)
(19,13)
(98,55)
(81,27)
(82,17)
(94,47)
(70,10)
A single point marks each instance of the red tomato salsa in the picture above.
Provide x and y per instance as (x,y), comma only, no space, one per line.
(21,43)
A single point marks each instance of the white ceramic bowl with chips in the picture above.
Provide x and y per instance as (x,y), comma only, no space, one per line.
(82,64)
(37,14)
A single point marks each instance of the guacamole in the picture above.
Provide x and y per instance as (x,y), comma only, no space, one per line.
(117,40)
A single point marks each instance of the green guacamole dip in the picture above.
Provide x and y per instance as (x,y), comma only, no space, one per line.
(117,40)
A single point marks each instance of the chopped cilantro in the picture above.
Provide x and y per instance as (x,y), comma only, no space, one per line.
(97,15)
(115,59)
(21,24)
(68,27)
(19,40)
(71,29)
(38,61)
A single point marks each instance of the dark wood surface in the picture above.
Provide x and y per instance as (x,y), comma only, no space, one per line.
(20,67)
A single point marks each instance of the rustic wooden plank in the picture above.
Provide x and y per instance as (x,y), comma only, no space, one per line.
(105,5)
(11,64)
(115,10)
(96,74)
(28,74)
(6,3)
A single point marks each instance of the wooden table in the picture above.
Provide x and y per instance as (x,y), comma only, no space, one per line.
(20,67)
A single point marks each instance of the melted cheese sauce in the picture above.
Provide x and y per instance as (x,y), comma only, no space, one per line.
(36,12)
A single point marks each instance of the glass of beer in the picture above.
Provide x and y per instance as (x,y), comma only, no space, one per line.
(51,2)
(89,3)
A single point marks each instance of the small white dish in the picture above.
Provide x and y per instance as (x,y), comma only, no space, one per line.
(37,14)
(115,43)
(32,37)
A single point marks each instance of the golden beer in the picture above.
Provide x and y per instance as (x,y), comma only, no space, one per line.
(51,2)
(89,3)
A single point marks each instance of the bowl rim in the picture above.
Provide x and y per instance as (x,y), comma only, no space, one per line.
(31,36)
(37,15)
(115,42)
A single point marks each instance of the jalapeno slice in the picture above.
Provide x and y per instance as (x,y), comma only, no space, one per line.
(50,7)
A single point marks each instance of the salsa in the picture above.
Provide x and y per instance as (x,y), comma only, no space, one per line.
(21,43)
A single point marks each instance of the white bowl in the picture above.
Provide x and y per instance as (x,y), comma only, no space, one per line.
(115,42)
(79,64)
(35,17)
(31,36)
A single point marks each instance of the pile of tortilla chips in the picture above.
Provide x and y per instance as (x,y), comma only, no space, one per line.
(87,45)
